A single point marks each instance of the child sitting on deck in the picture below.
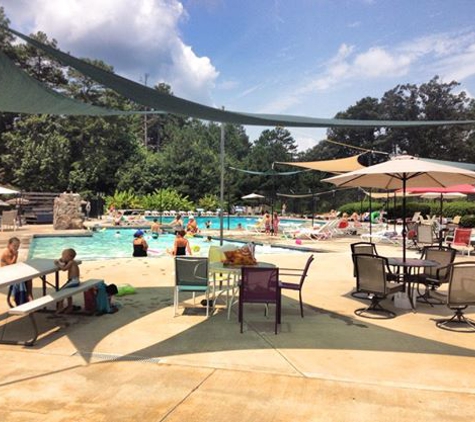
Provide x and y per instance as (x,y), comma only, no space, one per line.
(67,263)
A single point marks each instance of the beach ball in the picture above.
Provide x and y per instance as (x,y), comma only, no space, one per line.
(195,248)
(298,241)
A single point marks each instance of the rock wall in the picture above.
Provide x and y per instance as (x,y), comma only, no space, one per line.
(67,212)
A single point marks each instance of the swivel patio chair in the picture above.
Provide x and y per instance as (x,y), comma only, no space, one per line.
(461,295)
(296,272)
(259,285)
(365,248)
(372,274)
(433,277)
(191,275)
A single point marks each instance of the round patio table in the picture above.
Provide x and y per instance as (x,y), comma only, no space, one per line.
(408,265)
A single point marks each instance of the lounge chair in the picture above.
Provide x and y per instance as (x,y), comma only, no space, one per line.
(323,232)
(461,240)
(382,236)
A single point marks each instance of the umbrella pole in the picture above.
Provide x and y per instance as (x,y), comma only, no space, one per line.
(440,220)
(313,211)
(404,233)
(370,211)
(394,213)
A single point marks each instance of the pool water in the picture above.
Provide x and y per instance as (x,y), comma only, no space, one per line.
(230,223)
(111,243)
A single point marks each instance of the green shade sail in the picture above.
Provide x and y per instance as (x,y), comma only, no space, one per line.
(20,93)
(170,104)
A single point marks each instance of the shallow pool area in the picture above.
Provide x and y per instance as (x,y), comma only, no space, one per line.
(231,222)
(112,243)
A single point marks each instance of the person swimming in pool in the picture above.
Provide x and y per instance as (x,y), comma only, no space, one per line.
(181,245)
(140,244)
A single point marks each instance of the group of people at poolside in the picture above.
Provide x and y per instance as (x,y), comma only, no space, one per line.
(270,224)
(181,245)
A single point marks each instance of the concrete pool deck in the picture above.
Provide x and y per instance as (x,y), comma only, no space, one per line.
(143,363)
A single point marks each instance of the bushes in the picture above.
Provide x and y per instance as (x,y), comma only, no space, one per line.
(468,221)
(164,199)
(352,207)
(450,208)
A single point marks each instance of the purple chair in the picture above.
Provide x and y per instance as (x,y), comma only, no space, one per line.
(294,272)
(259,285)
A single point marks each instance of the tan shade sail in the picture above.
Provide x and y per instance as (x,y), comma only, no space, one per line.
(339,165)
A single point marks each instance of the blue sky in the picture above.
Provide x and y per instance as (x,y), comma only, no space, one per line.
(304,57)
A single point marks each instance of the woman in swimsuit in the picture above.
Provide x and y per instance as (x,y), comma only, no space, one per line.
(140,244)
(181,245)
(177,224)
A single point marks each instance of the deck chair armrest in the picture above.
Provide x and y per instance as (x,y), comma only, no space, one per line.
(441,269)
(290,274)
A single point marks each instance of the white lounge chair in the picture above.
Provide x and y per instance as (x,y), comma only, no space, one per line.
(382,236)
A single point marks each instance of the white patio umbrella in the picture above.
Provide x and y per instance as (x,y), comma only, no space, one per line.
(18,201)
(7,191)
(403,172)
(253,196)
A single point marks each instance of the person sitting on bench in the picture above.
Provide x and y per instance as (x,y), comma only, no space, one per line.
(67,263)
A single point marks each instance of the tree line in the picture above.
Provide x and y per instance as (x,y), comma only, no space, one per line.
(143,155)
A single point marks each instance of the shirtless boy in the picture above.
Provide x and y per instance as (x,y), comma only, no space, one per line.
(9,257)
(67,263)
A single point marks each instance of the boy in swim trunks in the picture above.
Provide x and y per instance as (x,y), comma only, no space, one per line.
(67,263)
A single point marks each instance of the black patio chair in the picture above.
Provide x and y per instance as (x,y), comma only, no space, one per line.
(372,273)
(461,294)
(295,272)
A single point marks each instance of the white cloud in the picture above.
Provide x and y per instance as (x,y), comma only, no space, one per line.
(451,55)
(135,36)
(377,62)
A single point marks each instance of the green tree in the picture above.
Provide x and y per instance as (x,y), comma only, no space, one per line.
(38,155)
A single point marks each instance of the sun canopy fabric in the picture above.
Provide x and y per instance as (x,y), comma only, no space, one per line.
(7,191)
(467,166)
(271,172)
(20,93)
(168,103)
(339,165)
(415,172)
(253,196)
(310,195)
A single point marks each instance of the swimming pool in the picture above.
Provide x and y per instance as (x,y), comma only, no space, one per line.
(111,243)
(230,223)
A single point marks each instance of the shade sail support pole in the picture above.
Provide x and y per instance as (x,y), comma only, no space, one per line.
(221,197)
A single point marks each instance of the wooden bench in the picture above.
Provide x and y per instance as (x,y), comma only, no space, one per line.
(29,308)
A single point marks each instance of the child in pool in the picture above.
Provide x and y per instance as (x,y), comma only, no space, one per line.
(67,263)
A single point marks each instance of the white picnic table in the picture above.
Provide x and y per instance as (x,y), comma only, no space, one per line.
(28,270)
